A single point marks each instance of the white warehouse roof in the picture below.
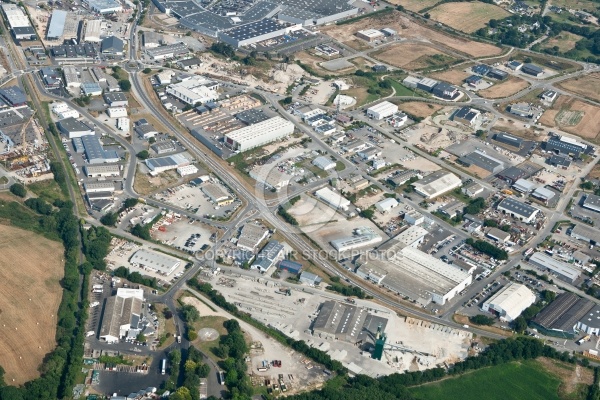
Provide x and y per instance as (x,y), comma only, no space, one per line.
(159,262)
(385,107)
(332,198)
(510,301)
(437,183)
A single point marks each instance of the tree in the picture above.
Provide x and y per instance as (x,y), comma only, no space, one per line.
(427,15)
(287,100)
(125,85)
(141,231)
(368,213)
(167,313)
(520,324)
(587,185)
(481,320)
(192,335)
(18,190)
(147,70)
(527,59)
(490,222)
(129,203)
(141,338)
(143,155)
(189,313)
(480,133)
(109,219)
(493,23)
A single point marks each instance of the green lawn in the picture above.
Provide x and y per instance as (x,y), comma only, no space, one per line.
(402,90)
(513,381)
(47,190)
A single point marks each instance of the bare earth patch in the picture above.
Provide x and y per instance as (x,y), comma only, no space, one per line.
(586,85)
(454,77)
(571,376)
(30,294)
(467,17)
(407,29)
(573,116)
(507,88)
(419,109)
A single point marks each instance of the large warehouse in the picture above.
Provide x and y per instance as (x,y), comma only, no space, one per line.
(413,273)
(332,199)
(562,270)
(436,184)
(103,6)
(565,314)
(346,322)
(483,161)
(162,164)
(592,202)
(95,152)
(382,110)
(510,301)
(255,32)
(586,233)
(516,209)
(122,314)
(259,134)
(362,237)
(18,22)
(153,261)
(195,90)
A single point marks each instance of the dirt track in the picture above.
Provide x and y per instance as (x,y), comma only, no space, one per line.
(30,293)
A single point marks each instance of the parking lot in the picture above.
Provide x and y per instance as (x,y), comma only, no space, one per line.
(186,235)
(191,198)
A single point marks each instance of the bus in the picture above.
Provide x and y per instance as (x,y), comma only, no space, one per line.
(163,366)
(221,377)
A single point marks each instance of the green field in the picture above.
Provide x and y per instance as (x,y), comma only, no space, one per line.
(402,90)
(514,381)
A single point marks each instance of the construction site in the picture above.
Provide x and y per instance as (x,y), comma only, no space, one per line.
(366,337)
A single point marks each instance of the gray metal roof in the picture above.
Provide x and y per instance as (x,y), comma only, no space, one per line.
(73,125)
(95,151)
(518,208)
(14,95)
(564,312)
(57,24)
(112,45)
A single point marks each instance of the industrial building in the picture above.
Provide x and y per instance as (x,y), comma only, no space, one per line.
(586,233)
(91,89)
(188,63)
(436,184)
(97,171)
(467,116)
(543,194)
(95,153)
(472,189)
(56,25)
(187,170)
(270,178)
(163,147)
(290,266)
(562,270)
(332,199)
(255,32)
(510,140)
(259,134)
(522,110)
(512,174)
(382,110)
(591,202)
(410,272)
(216,194)
(13,96)
(154,261)
(559,161)
(116,112)
(549,96)
(479,159)
(498,74)
(325,163)
(340,321)
(194,90)
(532,69)
(562,317)
(567,146)
(103,6)
(151,39)
(92,30)
(516,209)
(509,302)
(268,256)
(112,46)
(116,99)
(386,204)
(524,186)
(307,278)
(427,84)
(412,237)
(72,76)
(498,235)
(74,128)
(99,187)
(370,35)
(168,51)
(18,22)
(122,313)
(401,177)
(361,237)
(445,91)
(251,235)
(161,164)
(63,111)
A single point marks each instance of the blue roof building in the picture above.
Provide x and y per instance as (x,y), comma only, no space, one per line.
(290,266)
(481,69)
